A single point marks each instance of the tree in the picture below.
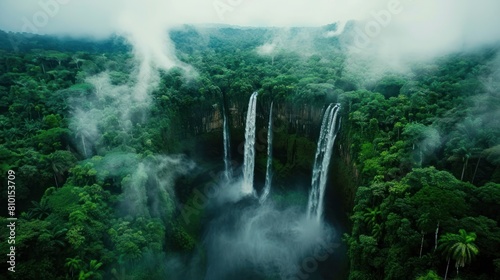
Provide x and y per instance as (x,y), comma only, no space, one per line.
(459,247)
(73,264)
(424,138)
(75,237)
(431,275)
(92,272)
(465,143)
(431,187)
(60,161)
(50,140)
(55,237)
(371,218)
(40,209)
(423,223)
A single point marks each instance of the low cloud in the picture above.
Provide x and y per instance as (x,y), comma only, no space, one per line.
(396,33)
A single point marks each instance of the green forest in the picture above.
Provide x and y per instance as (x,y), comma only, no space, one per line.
(414,180)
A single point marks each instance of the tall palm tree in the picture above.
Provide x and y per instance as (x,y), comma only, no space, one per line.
(423,222)
(465,143)
(465,250)
(459,247)
(73,264)
(60,161)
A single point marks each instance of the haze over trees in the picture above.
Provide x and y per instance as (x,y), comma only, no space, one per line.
(101,196)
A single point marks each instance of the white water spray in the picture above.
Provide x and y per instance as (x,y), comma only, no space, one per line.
(269,172)
(249,156)
(328,133)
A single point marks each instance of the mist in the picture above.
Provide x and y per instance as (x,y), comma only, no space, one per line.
(107,108)
(383,34)
(246,239)
(395,35)
(240,234)
(264,240)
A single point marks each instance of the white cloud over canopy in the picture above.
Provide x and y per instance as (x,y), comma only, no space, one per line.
(416,29)
(423,24)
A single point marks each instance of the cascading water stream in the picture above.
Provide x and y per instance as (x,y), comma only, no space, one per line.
(228,173)
(328,133)
(249,152)
(269,175)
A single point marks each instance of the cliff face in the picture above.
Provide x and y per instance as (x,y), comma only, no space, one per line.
(296,130)
(347,178)
(300,119)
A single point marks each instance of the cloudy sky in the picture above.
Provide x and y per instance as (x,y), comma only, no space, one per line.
(405,26)
(101,17)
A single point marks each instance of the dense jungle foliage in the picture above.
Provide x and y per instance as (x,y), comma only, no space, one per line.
(420,149)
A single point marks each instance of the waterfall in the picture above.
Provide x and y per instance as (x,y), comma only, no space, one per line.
(227,148)
(269,175)
(249,155)
(328,133)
